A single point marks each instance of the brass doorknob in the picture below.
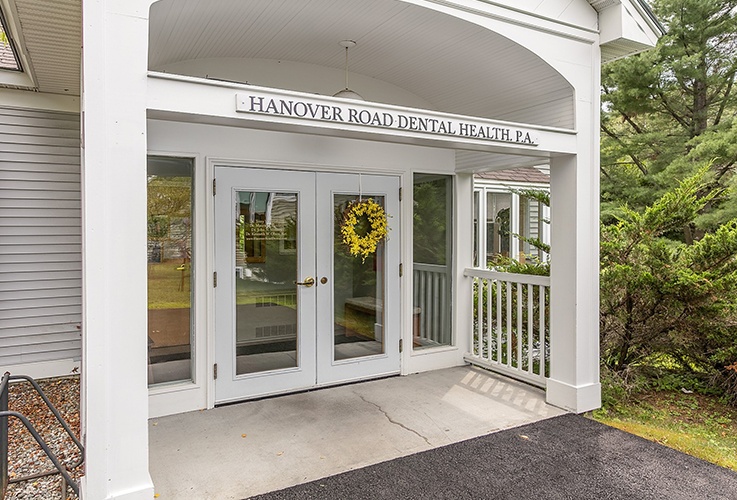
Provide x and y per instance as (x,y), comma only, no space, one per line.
(308,282)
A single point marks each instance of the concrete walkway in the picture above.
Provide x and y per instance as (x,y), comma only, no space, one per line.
(250,448)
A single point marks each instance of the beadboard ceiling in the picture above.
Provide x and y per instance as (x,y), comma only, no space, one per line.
(399,43)
(51,38)
(456,66)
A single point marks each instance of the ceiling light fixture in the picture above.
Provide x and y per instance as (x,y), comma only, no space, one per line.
(347,93)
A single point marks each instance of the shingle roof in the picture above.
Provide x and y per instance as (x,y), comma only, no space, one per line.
(7,59)
(521,174)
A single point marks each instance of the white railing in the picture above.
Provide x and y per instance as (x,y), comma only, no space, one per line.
(431,299)
(511,321)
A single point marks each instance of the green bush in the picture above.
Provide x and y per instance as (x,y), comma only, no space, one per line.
(664,299)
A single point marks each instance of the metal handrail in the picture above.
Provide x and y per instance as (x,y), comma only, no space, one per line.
(5,414)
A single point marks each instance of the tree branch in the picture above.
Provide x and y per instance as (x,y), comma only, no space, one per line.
(636,160)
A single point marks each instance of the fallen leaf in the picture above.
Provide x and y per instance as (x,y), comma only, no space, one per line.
(524,437)
(280,454)
(243,435)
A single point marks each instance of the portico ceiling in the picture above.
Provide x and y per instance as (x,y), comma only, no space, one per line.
(455,66)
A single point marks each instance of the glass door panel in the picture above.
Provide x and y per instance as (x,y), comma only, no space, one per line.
(170,279)
(265,290)
(357,299)
(293,308)
(358,291)
(264,248)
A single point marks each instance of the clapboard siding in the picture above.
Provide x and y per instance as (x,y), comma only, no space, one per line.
(31,249)
(36,194)
(69,319)
(21,157)
(40,237)
(39,203)
(41,286)
(48,329)
(36,276)
(49,355)
(38,175)
(51,132)
(11,258)
(35,303)
(39,294)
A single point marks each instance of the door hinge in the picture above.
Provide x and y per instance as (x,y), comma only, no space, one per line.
(215,279)
(401,270)
(400,194)
(401,345)
(214,186)
(215,371)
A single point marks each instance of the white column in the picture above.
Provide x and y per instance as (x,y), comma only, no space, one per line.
(114,384)
(574,277)
(463,255)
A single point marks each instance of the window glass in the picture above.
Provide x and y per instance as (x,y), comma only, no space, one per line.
(8,56)
(170,290)
(432,260)
(530,227)
(498,225)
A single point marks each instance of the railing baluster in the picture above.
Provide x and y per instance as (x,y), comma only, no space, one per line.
(502,328)
(446,332)
(530,326)
(423,307)
(519,326)
(508,338)
(434,300)
(489,322)
(541,335)
(498,321)
(479,315)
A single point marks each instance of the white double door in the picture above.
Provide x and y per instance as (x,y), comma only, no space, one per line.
(293,308)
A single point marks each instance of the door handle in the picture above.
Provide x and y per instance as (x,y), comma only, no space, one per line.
(308,282)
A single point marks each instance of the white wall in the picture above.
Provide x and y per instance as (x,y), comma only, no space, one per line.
(294,76)
(298,149)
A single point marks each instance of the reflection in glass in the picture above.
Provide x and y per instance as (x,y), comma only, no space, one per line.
(498,225)
(432,259)
(265,270)
(169,269)
(358,291)
(530,228)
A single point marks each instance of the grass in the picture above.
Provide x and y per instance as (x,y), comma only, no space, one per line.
(695,424)
(169,287)
(166,288)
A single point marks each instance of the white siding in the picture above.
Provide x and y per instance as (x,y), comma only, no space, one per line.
(40,237)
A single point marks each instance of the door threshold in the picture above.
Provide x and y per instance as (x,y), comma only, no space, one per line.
(309,389)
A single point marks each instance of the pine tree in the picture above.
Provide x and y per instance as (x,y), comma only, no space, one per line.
(670,109)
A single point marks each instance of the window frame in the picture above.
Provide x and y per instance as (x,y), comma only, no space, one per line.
(23,76)
(482,189)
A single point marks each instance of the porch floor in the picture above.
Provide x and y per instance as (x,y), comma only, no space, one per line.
(254,447)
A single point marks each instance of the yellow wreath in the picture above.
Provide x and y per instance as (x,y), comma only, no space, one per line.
(364,245)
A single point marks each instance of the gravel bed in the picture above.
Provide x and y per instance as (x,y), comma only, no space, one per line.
(25,456)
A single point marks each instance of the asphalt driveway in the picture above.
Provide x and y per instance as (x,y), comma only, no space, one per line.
(566,457)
